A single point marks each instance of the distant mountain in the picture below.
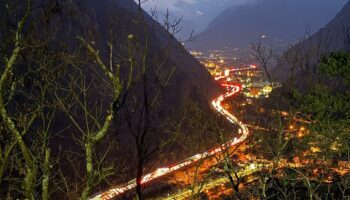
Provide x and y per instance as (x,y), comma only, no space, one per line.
(272,21)
(302,59)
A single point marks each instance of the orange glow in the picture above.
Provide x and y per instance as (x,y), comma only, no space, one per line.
(300,134)
(283,113)
(315,149)
(217,104)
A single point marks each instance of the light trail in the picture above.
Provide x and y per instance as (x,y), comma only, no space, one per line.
(217,104)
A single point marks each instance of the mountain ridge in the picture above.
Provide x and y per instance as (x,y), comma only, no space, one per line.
(238,27)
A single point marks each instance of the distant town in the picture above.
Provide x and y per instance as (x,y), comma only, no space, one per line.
(227,70)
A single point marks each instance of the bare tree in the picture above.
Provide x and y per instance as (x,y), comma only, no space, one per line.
(97,118)
(29,182)
(28,114)
(265,57)
(152,77)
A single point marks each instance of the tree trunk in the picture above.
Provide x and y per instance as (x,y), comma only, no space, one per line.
(89,170)
(139,179)
(45,182)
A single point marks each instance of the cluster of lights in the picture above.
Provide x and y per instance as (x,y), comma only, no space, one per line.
(228,71)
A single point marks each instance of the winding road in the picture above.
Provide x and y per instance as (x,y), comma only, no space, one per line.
(217,104)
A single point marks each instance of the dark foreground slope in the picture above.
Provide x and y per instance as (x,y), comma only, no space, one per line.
(58,23)
(53,56)
(281,21)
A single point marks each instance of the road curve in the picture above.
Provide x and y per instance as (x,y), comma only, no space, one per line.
(217,104)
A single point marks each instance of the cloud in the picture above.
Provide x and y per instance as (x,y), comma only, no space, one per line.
(172,5)
(180,5)
(199,12)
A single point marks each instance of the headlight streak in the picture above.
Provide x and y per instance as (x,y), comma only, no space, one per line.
(217,104)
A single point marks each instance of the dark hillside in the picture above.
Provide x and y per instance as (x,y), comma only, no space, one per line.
(301,59)
(54,57)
